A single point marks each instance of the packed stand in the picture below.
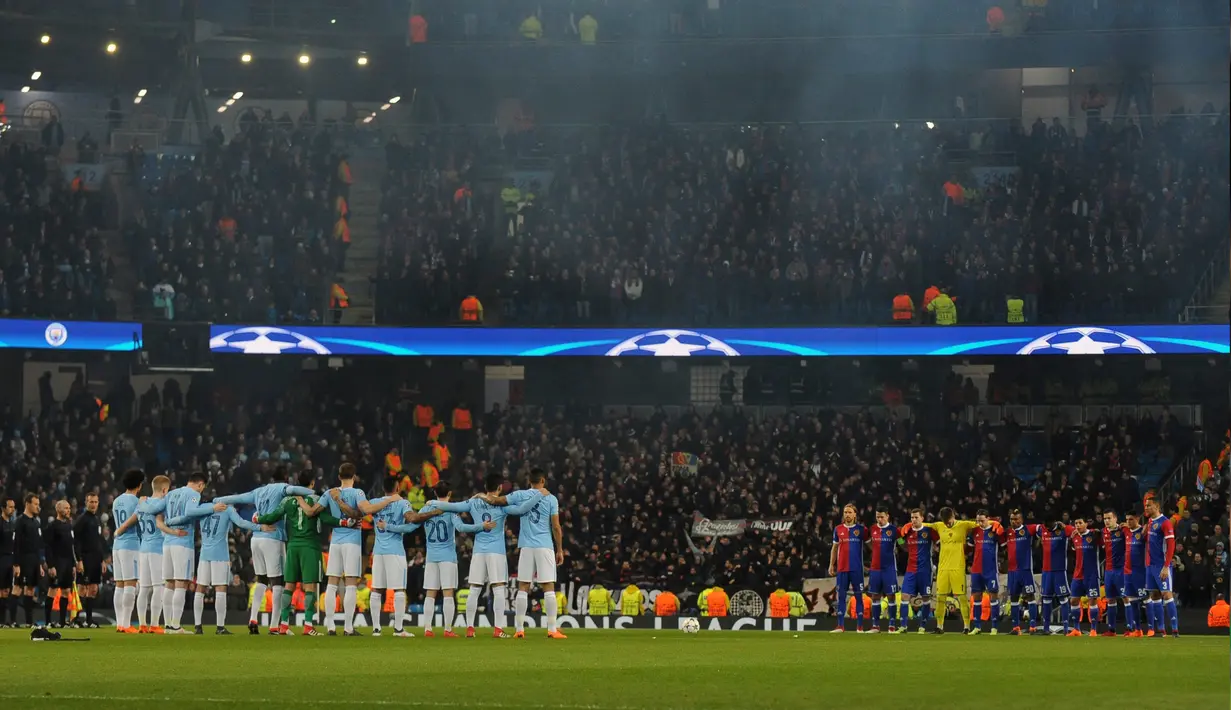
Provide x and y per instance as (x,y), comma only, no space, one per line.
(659,225)
(54,260)
(248,230)
(626,506)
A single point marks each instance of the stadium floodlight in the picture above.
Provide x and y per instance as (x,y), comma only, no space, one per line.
(237,95)
(930,125)
(245,57)
(36,75)
(25,89)
(112,48)
(367,119)
(395,99)
(45,39)
(142,93)
(230,102)
(362,60)
(222,108)
(386,107)
(136,99)
(304,60)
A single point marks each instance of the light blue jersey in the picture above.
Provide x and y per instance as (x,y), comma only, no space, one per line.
(536,522)
(182,502)
(215,529)
(442,532)
(341,535)
(123,508)
(266,500)
(389,541)
(151,536)
(489,542)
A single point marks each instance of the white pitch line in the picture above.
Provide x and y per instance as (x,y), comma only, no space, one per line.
(367,702)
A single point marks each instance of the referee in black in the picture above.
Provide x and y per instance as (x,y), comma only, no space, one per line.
(28,546)
(91,556)
(61,563)
(8,531)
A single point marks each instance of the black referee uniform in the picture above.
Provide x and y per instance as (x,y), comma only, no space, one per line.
(28,551)
(8,535)
(91,549)
(62,558)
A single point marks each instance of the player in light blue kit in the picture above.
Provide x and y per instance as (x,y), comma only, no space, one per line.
(440,570)
(150,593)
(488,561)
(178,544)
(389,555)
(268,546)
(126,549)
(540,532)
(345,545)
(215,564)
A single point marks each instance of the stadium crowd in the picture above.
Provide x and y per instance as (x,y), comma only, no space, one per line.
(656,224)
(246,231)
(54,261)
(626,510)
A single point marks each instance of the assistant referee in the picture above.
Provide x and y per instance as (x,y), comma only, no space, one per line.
(91,551)
(62,563)
(28,551)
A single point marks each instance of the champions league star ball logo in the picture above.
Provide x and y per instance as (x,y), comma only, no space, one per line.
(266,340)
(1086,341)
(672,343)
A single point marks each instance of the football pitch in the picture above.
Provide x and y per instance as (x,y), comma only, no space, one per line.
(613,670)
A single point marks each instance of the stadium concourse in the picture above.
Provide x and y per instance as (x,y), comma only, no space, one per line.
(632,482)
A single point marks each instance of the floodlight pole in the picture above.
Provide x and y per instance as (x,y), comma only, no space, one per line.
(190,91)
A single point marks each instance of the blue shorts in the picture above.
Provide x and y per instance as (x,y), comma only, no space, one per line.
(1113,583)
(1021,583)
(984,582)
(883,583)
(917,584)
(1055,584)
(1084,587)
(851,580)
(1154,584)
(1135,584)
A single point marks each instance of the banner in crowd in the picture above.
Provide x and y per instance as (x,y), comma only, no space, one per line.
(92,175)
(706,527)
(69,335)
(537,181)
(994,175)
(1127,340)
(684,463)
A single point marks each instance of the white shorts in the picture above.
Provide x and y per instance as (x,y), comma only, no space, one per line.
(488,568)
(389,572)
(126,565)
(345,560)
(214,574)
(178,563)
(440,575)
(536,564)
(151,569)
(267,556)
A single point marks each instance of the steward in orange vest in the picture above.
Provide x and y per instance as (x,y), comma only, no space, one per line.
(424,415)
(717,602)
(435,430)
(471,310)
(429,475)
(393,462)
(903,308)
(930,295)
(666,604)
(779,605)
(1220,615)
(338,297)
(461,418)
(341,230)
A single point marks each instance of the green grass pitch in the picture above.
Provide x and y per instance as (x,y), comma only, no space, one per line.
(614,670)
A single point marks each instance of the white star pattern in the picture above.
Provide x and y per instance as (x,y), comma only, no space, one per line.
(1085,345)
(1083,341)
(672,348)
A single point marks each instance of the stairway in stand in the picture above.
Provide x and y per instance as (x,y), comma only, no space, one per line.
(1220,304)
(367,167)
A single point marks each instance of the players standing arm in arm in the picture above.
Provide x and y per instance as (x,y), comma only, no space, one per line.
(404,529)
(248,498)
(167,529)
(238,520)
(557,536)
(202,510)
(437,509)
(123,528)
(462,526)
(524,507)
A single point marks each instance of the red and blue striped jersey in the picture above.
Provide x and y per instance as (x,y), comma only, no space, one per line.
(986,540)
(884,541)
(849,540)
(1085,555)
(1160,542)
(1055,548)
(1018,542)
(1113,548)
(1135,558)
(919,547)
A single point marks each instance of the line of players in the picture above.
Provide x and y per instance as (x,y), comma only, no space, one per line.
(1136,571)
(154,561)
